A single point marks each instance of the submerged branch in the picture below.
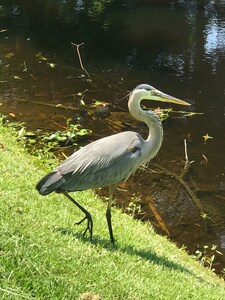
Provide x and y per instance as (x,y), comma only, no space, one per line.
(157,216)
(184,184)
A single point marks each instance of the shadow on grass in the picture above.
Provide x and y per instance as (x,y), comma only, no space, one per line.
(129,249)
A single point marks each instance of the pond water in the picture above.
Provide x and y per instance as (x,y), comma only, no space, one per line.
(176,46)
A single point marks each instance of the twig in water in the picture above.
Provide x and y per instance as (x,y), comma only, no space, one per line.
(25,67)
(187,162)
(47,104)
(185,154)
(80,60)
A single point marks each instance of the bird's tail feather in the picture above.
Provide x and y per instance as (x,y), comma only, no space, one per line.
(49,183)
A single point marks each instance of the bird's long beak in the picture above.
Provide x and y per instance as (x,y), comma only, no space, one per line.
(162,97)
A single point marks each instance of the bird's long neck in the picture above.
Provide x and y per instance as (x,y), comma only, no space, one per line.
(155,136)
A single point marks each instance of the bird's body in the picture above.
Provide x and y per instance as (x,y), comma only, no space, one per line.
(89,168)
(109,160)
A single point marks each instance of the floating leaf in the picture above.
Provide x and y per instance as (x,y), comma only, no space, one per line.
(40,56)
(9,55)
(17,77)
(98,103)
(82,132)
(206,137)
(52,65)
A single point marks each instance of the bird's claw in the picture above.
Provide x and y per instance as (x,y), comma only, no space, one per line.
(89,224)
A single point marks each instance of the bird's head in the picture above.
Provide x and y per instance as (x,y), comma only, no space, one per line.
(148,92)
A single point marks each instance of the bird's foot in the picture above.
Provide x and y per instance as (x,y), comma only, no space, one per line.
(89,224)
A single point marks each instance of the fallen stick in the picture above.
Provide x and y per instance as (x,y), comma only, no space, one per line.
(47,104)
(157,216)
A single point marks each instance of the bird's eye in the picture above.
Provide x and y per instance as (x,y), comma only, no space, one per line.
(157,93)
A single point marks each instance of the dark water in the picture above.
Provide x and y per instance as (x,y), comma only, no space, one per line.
(176,46)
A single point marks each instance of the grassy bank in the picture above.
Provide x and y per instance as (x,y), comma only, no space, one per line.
(44,256)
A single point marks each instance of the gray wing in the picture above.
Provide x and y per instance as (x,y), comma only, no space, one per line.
(103,162)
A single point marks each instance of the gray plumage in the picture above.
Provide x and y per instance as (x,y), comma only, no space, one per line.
(109,160)
(90,167)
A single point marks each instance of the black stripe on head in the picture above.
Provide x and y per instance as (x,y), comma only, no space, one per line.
(143,86)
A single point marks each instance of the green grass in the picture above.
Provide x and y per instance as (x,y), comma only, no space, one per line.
(44,256)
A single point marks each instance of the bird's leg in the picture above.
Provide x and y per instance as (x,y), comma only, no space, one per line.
(87,216)
(108,211)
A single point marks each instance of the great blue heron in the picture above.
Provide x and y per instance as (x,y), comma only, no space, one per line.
(111,159)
